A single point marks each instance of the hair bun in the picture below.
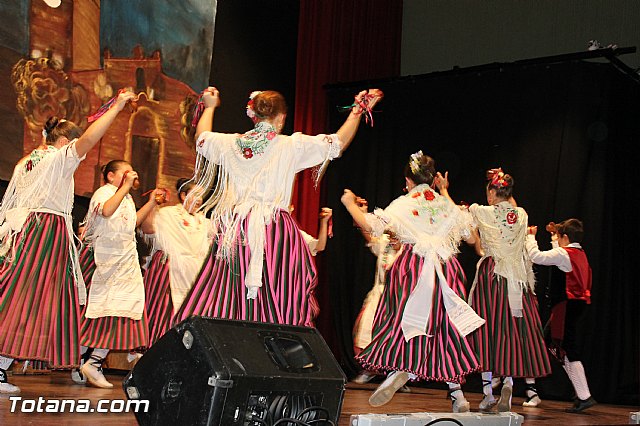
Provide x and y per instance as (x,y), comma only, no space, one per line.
(51,124)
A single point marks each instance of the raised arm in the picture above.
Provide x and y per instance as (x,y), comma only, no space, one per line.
(348,130)
(442,183)
(557,256)
(363,205)
(111,205)
(349,201)
(211,99)
(94,133)
(146,210)
(325,215)
(148,224)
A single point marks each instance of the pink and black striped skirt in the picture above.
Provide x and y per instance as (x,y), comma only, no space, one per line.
(445,356)
(39,312)
(288,281)
(507,345)
(115,333)
(157,297)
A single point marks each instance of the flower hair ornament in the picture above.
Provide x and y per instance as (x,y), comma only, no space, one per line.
(251,113)
(496,176)
(414,162)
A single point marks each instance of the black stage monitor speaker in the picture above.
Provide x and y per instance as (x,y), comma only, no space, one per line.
(208,371)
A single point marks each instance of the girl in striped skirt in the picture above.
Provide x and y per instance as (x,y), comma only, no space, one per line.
(511,342)
(180,241)
(40,279)
(421,322)
(259,267)
(113,318)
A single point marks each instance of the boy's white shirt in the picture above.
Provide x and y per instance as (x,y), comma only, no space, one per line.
(557,256)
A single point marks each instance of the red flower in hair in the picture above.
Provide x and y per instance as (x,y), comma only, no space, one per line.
(415,212)
(247,153)
(428,195)
(496,176)
(512,217)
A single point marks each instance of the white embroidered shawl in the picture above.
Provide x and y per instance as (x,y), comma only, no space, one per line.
(503,229)
(434,226)
(42,182)
(257,182)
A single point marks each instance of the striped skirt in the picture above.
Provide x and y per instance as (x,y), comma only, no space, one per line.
(157,296)
(288,281)
(39,312)
(445,356)
(115,333)
(507,345)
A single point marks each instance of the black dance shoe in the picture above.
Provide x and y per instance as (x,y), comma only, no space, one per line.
(581,404)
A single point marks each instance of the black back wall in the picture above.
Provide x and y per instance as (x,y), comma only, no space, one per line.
(567,132)
(254,48)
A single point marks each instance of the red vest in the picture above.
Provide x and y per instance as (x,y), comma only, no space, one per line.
(579,279)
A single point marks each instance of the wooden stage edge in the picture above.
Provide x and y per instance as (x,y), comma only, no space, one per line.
(58,385)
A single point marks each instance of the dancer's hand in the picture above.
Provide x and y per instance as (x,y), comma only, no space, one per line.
(325,214)
(159,196)
(363,204)
(442,182)
(211,97)
(348,198)
(532,230)
(130,177)
(123,97)
(371,96)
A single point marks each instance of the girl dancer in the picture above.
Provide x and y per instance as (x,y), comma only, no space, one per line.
(113,318)
(259,267)
(180,241)
(511,343)
(386,248)
(40,279)
(421,321)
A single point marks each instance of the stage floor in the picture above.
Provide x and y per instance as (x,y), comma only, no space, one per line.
(59,386)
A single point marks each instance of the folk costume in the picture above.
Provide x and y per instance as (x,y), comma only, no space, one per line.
(179,247)
(41,285)
(511,342)
(421,323)
(114,316)
(259,267)
(573,282)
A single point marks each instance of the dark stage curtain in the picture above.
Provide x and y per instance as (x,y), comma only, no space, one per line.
(338,40)
(567,132)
